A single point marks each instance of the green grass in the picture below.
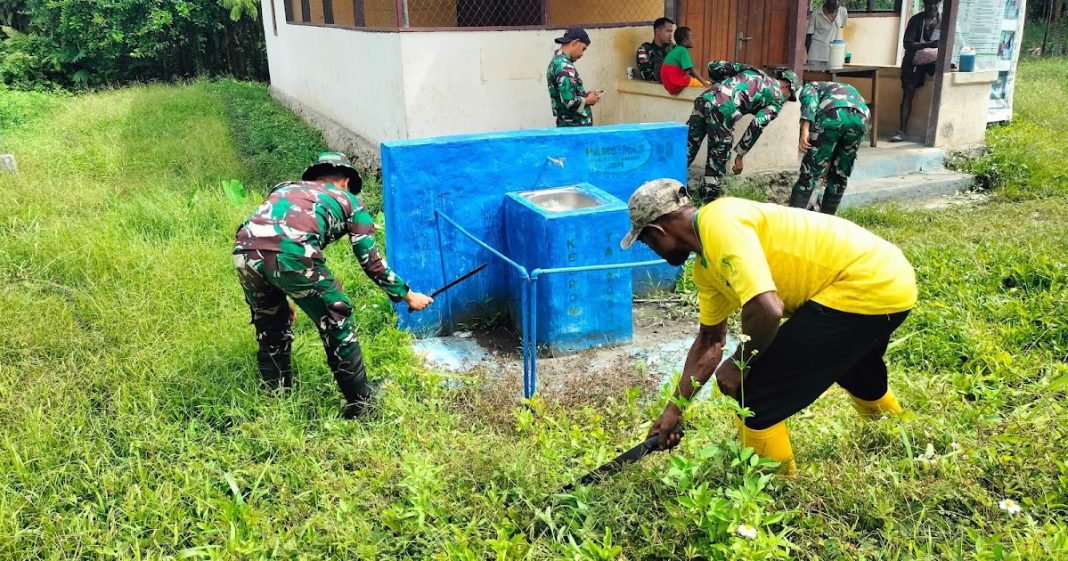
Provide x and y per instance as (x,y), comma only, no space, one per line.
(1027,157)
(132,426)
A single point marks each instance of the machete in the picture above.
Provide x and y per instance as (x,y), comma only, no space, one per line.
(462,278)
(651,444)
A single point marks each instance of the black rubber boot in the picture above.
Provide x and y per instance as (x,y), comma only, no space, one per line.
(830,203)
(351,377)
(799,198)
(275,365)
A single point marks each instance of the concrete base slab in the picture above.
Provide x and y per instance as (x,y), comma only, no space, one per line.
(912,186)
(897,159)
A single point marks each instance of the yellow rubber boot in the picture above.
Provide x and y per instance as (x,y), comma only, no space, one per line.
(772,442)
(871,409)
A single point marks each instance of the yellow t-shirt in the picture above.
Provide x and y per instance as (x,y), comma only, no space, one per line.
(751,248)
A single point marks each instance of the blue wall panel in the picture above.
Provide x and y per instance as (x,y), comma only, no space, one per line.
(467,176)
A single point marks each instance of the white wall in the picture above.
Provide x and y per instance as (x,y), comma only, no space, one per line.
(352,77)
(873,40)
(475,81)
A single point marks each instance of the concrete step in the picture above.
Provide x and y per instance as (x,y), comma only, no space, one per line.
(911,186)
(890,160)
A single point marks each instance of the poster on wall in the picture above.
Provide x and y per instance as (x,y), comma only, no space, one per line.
(1009,46)
(994,28)
(979,27)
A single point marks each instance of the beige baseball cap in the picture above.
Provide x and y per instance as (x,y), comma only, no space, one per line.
(651,201)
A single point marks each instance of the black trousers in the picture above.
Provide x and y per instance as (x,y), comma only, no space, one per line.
(817,347)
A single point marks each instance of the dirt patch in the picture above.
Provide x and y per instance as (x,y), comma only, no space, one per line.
(664,328)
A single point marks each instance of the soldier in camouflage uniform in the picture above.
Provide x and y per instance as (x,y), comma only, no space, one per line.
(279,254)
(650,56)
(570,101)
(737,89)
(834,120)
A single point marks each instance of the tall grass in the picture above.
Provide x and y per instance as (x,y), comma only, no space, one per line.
(132,425)
(1027,156)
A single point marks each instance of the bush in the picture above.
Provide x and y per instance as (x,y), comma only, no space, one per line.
(1024,156)
(77,44)
(18,108)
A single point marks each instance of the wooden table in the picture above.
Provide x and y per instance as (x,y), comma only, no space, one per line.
(818,72)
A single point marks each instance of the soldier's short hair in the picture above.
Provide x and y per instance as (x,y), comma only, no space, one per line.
(661,22)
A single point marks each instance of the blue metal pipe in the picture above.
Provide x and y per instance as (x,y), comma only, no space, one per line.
(525,335)
(557,270)
(444,276)
(522,270)
(533,336)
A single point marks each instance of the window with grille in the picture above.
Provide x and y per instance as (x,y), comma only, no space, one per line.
(466,14)
(864,6)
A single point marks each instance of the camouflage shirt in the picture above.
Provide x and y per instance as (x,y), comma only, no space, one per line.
(303,217)
(739,89)
(650,58)
(822,101)
(567,94)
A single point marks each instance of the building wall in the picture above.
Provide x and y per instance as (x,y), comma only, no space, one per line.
(390,86)
(873,40)
(965,101)
(478,81)
(352,77)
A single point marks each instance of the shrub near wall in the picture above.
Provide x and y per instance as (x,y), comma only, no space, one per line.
(78,43)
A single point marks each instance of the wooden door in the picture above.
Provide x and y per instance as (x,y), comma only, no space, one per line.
(713,23)
(762,32)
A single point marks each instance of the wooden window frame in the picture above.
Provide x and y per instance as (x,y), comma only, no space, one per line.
(870,11)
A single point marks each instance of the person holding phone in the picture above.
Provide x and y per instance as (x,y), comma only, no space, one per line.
(572,105)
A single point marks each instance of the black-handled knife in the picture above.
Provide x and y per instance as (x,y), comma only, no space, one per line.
(651,444)
(462,278)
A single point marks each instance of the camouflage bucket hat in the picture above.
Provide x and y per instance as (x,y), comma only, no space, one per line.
(795,82)
(334,162)
(651,201)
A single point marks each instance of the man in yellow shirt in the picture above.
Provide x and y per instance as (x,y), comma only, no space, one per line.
(844,290)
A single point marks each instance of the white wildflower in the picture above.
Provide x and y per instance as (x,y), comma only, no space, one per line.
(1010,506)
(746,531)
(954,446)
(744,338)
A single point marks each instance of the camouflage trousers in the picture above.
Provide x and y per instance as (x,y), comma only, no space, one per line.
(834,150)
(267,279)
(706,120)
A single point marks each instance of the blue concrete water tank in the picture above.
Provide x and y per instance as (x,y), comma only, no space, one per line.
(571,226)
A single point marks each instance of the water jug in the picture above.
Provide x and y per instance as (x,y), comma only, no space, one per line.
(836,59)
(967,60)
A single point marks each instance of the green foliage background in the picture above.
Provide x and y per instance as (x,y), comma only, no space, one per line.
(49,44)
